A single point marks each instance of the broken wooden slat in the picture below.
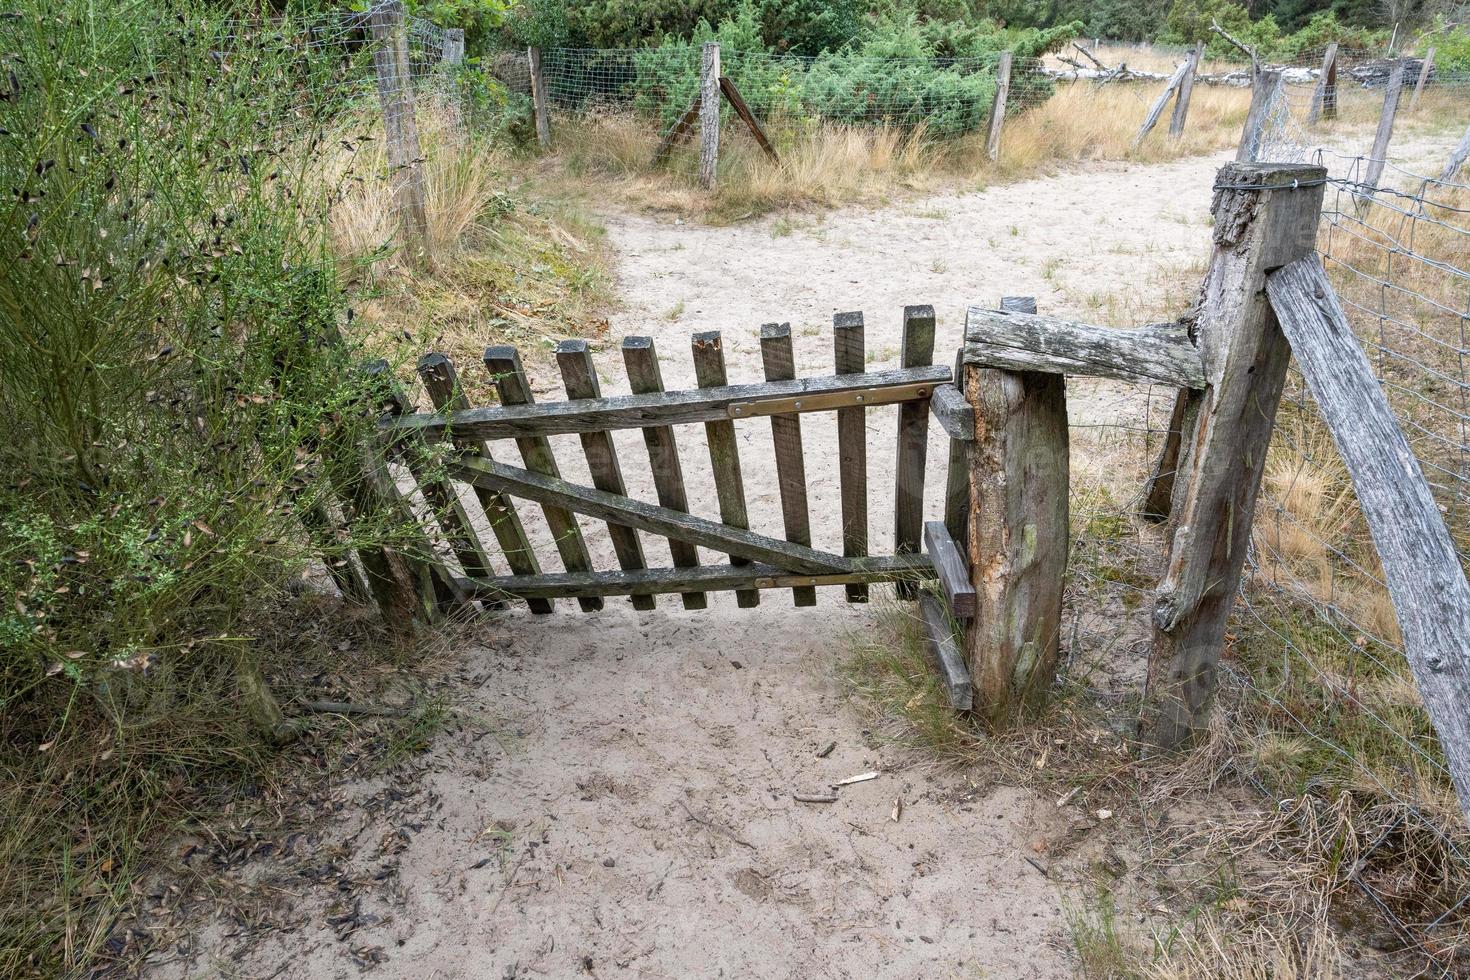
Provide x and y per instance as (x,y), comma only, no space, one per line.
(724,452)
(658,581)
(780,365)
(439,378)
(949,660)
(951,568)
(1425,578)
(1245,357)
(952,412)
(1153,354)
(504,364)
(852,445)
(580,379)
(676,407)
(678,133)
(321,529)
(743,111)
(1017,543)
(556,492)
(913,440)
(641,361)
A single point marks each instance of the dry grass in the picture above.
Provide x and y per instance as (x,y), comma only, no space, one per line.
(826,164)
(506,259)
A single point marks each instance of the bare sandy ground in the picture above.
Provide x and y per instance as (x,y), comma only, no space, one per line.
(616,800)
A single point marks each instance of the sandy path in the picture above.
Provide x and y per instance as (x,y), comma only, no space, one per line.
(619,802)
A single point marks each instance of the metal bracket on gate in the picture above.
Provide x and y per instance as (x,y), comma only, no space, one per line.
(863,397)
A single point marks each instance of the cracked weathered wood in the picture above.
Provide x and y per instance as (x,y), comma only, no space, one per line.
(539,98)
(554,491)
(1378,156)
(1186,89)
(440,380)
(666,408)
(1157,109)
(1017,540)
(657,581)
(504,364)
(724,451)
(949,659)
(1324,96)
(951,569)
(852,445)
(579,377)
(1420,565)
(709,114)
(913,441)
(998,105)
(640,359)
(780,365)
(1264,90)
(1159,353)
(1245,357)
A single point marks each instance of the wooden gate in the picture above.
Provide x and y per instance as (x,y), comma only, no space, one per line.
(755,561)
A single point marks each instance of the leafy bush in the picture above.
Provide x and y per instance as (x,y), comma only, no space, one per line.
(169,404)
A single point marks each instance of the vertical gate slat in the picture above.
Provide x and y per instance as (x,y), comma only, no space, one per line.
(913,441)
(580,379)
(504,364)
(440,380)
(852,446)
(957,477)
(644,377)
(724,455)
(780,365)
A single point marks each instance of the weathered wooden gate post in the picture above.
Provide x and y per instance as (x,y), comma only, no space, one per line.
(1265,217)
(709,114)
(395,92)
(1017,533)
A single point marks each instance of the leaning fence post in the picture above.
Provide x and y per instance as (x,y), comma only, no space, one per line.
(1157,109)
(1324,96)
(1263,95)
(1186,88)
(1017,540)
(453,53)
(1425,67)
(390,63)
(709,113)
(538,98)
(998,107)
(1265,216)
(1378,156)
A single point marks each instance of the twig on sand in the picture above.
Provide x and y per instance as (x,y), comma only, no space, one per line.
(717,827)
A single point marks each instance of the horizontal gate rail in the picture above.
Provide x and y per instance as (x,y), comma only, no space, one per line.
(654,581)
(673,407)
(556,492)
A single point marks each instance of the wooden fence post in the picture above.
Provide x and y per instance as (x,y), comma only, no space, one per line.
(453,53)
(1017,533)
(998,107)
(542,111)
(1324,96)
(1263,95)
(709,113)
(1186,89)
(911,457)
(1457,158)
(395,92)
(1265,217)
(1425,67)
(1378,156)
(1157,109)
